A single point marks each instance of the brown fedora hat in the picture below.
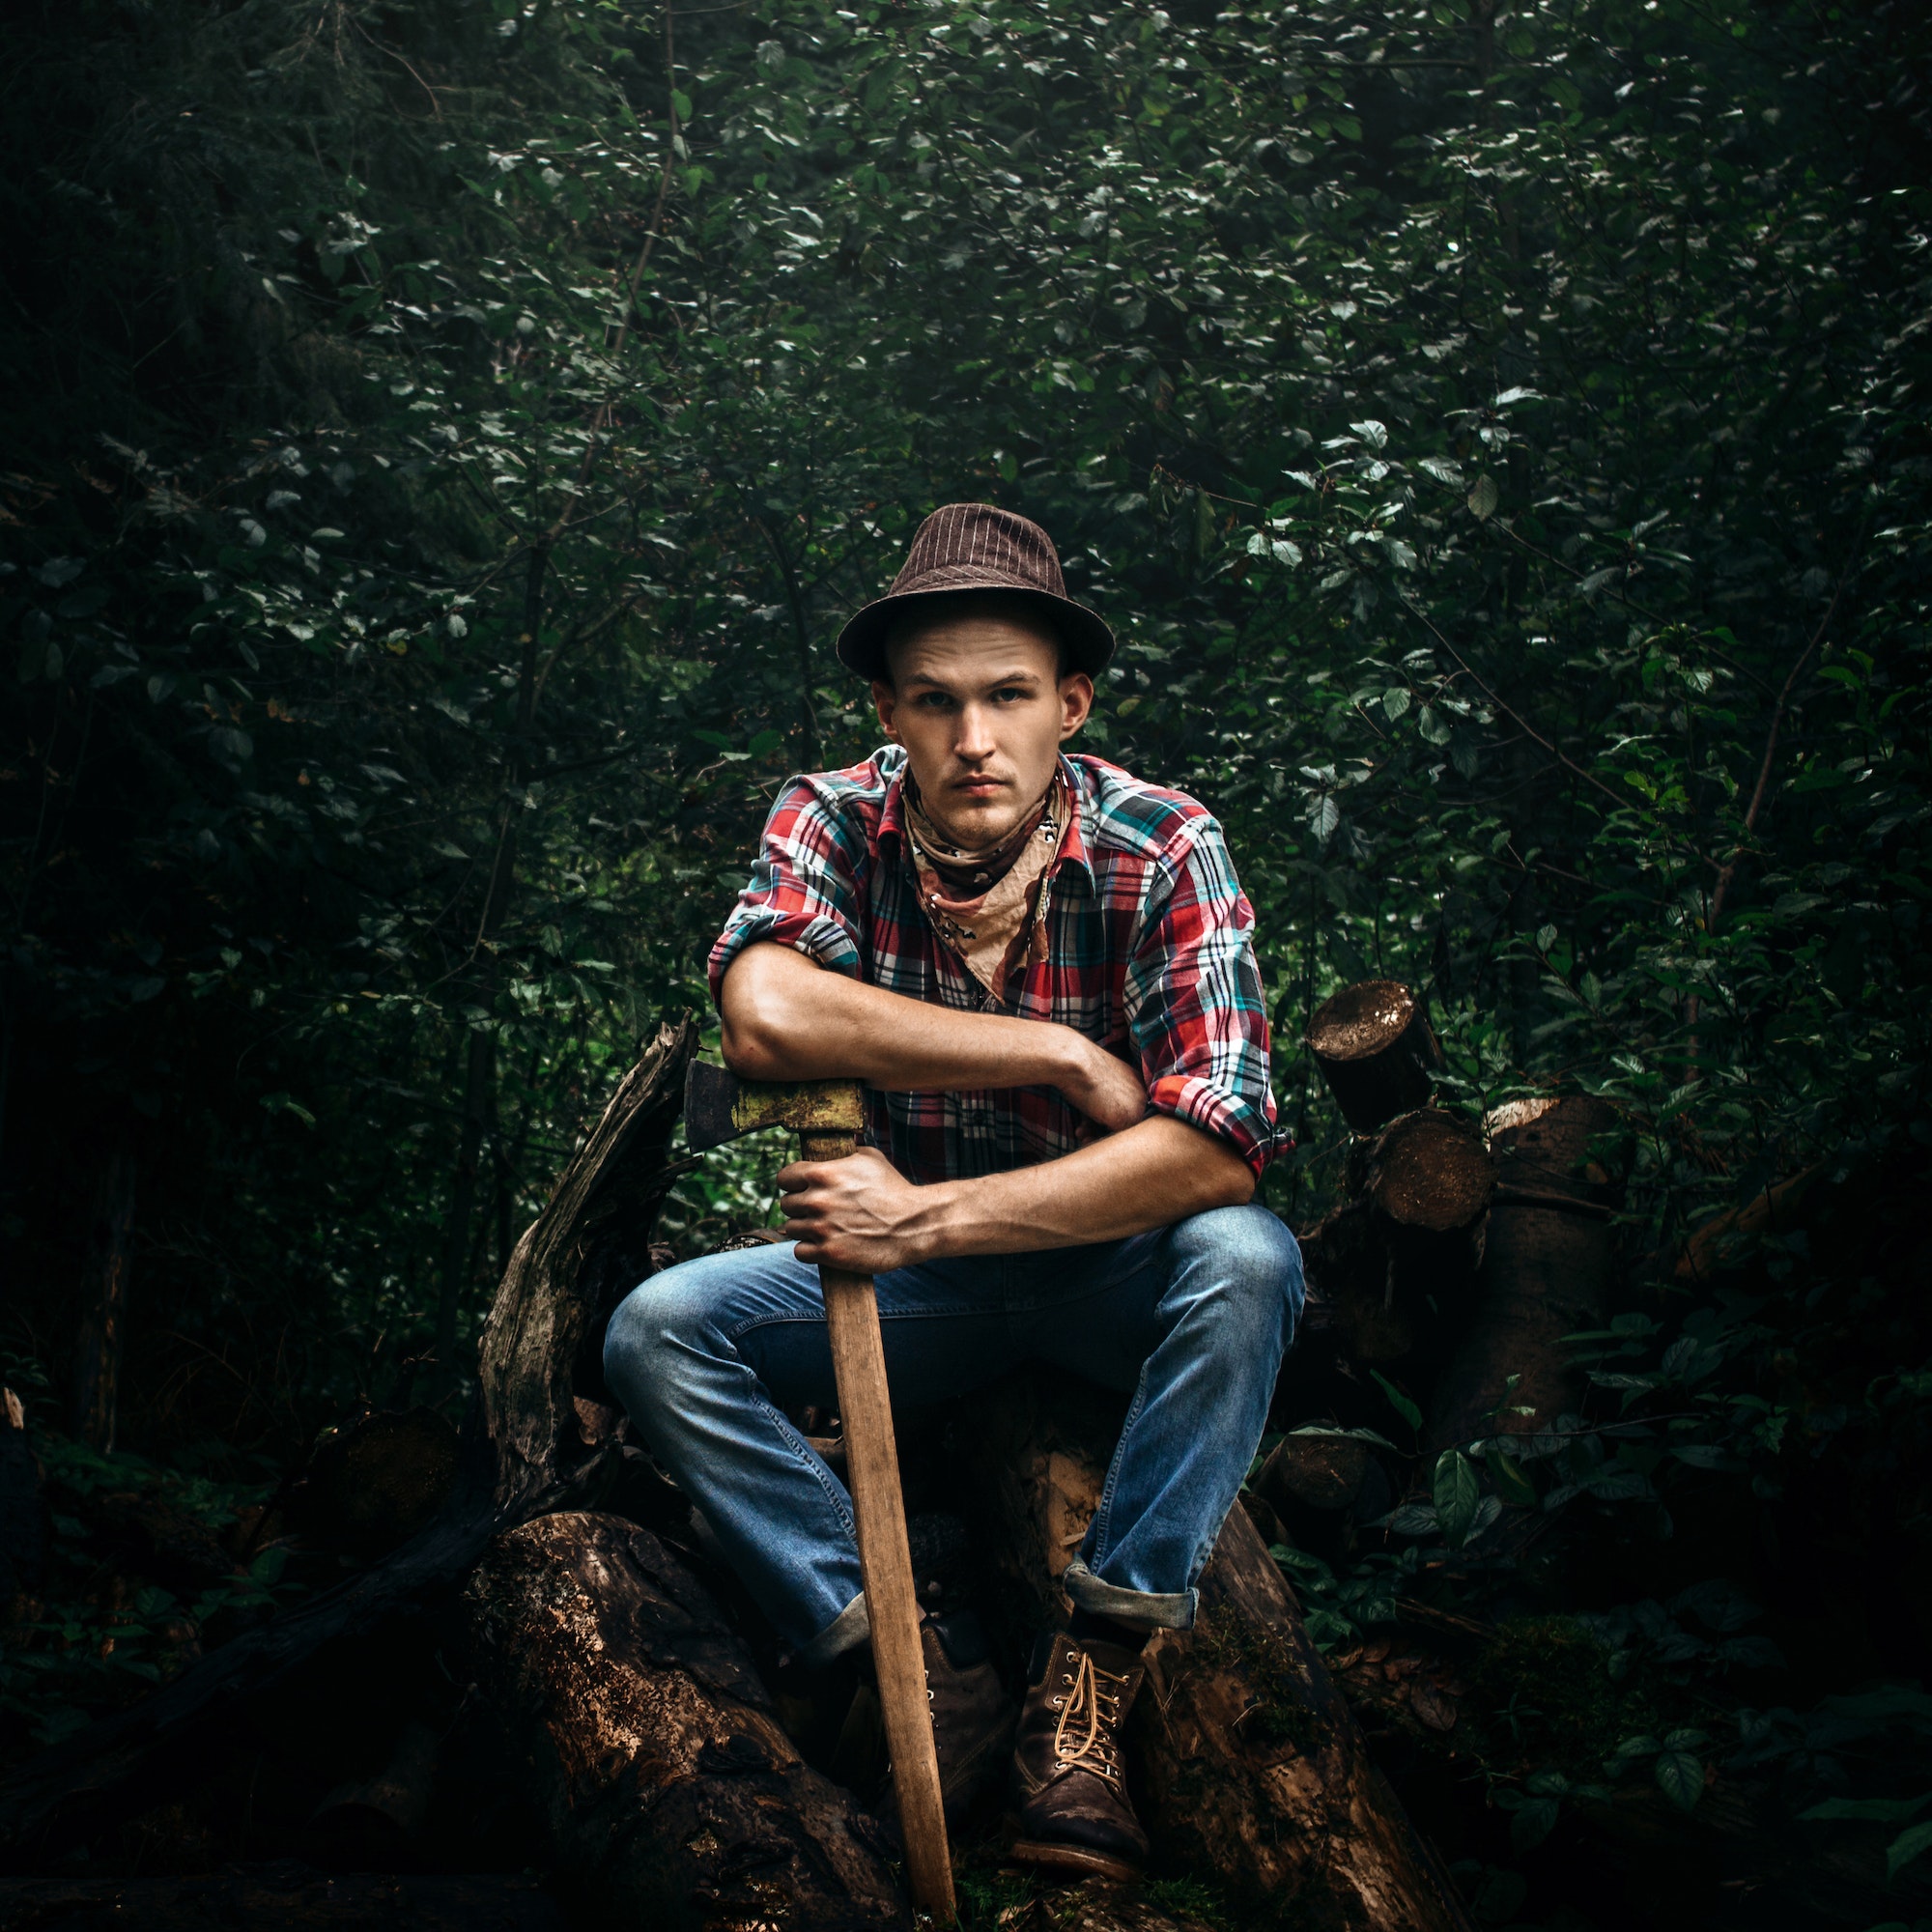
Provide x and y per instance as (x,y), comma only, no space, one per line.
(978,547)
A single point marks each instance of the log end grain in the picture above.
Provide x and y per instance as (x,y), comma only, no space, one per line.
(1431,1171)
(1372,1044)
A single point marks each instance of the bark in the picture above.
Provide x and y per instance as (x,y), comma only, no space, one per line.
(110,1253)
(1547,1272)
(1250,1769)
(641,1728)
(527,1448)
(1372,1044)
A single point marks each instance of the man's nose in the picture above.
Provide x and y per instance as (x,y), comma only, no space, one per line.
(975,739)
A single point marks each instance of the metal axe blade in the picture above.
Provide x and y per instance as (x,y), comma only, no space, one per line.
(719,1106)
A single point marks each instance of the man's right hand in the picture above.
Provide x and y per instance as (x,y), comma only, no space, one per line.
(1104,1088)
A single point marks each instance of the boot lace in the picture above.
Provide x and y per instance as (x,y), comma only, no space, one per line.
(1089,1715)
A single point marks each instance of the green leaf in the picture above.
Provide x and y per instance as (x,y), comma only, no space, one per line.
(1679,1776)
(1457,1491)
(1512,1482)
(1399,1402)
(1881,1810)
(1533,1822)
(1482,497)
(1906,1847)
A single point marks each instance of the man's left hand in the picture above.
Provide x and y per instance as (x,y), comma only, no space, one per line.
(858,1213)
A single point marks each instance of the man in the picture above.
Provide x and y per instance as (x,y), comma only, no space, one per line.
(1042,969)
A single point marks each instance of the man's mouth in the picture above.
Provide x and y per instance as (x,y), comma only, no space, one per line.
(979,787)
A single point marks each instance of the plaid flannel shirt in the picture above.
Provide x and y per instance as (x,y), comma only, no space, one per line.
(1150,954)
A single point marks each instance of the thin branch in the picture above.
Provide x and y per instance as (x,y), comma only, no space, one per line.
(1510,711)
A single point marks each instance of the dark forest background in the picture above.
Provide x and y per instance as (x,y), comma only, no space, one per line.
(441,440)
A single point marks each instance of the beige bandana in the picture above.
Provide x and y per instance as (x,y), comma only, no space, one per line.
(995,928)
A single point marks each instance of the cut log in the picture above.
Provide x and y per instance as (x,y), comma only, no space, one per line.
(1392,1265)
(1546,1270)
(1248,1767)
(641,1728)
(1372,1044)
(522,1452)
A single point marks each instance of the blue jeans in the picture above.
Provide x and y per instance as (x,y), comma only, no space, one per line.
(1192,1318)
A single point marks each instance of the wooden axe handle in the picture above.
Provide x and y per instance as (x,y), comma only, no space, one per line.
(885,1561)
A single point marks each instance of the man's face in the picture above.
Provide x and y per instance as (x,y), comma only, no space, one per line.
(976,701)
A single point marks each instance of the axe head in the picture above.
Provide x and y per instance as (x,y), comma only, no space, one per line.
(719,1106)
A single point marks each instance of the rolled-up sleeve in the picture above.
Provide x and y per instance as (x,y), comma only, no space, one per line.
(803,891)
(1195,1005)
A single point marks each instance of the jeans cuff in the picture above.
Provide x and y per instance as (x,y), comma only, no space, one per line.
(852,1626)
(1156,1609)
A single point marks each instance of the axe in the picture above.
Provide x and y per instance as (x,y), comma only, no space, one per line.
(827,1116)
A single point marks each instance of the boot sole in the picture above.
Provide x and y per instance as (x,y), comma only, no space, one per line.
(1083,1859)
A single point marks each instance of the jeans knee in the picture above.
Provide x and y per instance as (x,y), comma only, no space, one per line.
(1255,1263)
(652,1330)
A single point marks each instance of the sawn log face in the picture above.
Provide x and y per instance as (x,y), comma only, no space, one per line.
(1245,1760)
(642,1730)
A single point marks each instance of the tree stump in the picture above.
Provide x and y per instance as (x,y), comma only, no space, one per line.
(1248,1767)
(1372,1044)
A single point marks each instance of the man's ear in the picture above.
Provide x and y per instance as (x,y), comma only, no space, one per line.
(1076,701)
(885,699)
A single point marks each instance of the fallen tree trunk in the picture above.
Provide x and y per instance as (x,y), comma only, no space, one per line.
(650,1746)
(1250,1768)
(527,1448)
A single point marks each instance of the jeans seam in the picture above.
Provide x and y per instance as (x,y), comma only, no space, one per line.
(1103,1515)
(793,1441)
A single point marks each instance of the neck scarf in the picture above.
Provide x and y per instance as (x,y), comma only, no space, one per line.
(989,903)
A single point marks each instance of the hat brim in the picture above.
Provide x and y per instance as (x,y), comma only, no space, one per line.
(862,643)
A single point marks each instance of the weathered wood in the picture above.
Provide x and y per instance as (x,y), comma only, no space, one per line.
(1248,1767)
(647,1741)
(524,1451)
(1372,1044)
(885,1561)
(1547,1271)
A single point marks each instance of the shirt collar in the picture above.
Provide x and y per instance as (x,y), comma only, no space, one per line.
(1073,850)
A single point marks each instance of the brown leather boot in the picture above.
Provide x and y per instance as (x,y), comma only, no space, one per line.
(973,1718)
(1069,1773)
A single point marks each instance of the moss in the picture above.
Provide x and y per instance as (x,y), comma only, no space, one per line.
(1232,1641)
(1190,1899)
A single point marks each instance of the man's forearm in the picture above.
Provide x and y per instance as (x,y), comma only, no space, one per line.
(786,1018)
(1148,1175)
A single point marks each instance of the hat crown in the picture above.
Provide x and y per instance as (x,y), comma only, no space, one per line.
(979,547)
